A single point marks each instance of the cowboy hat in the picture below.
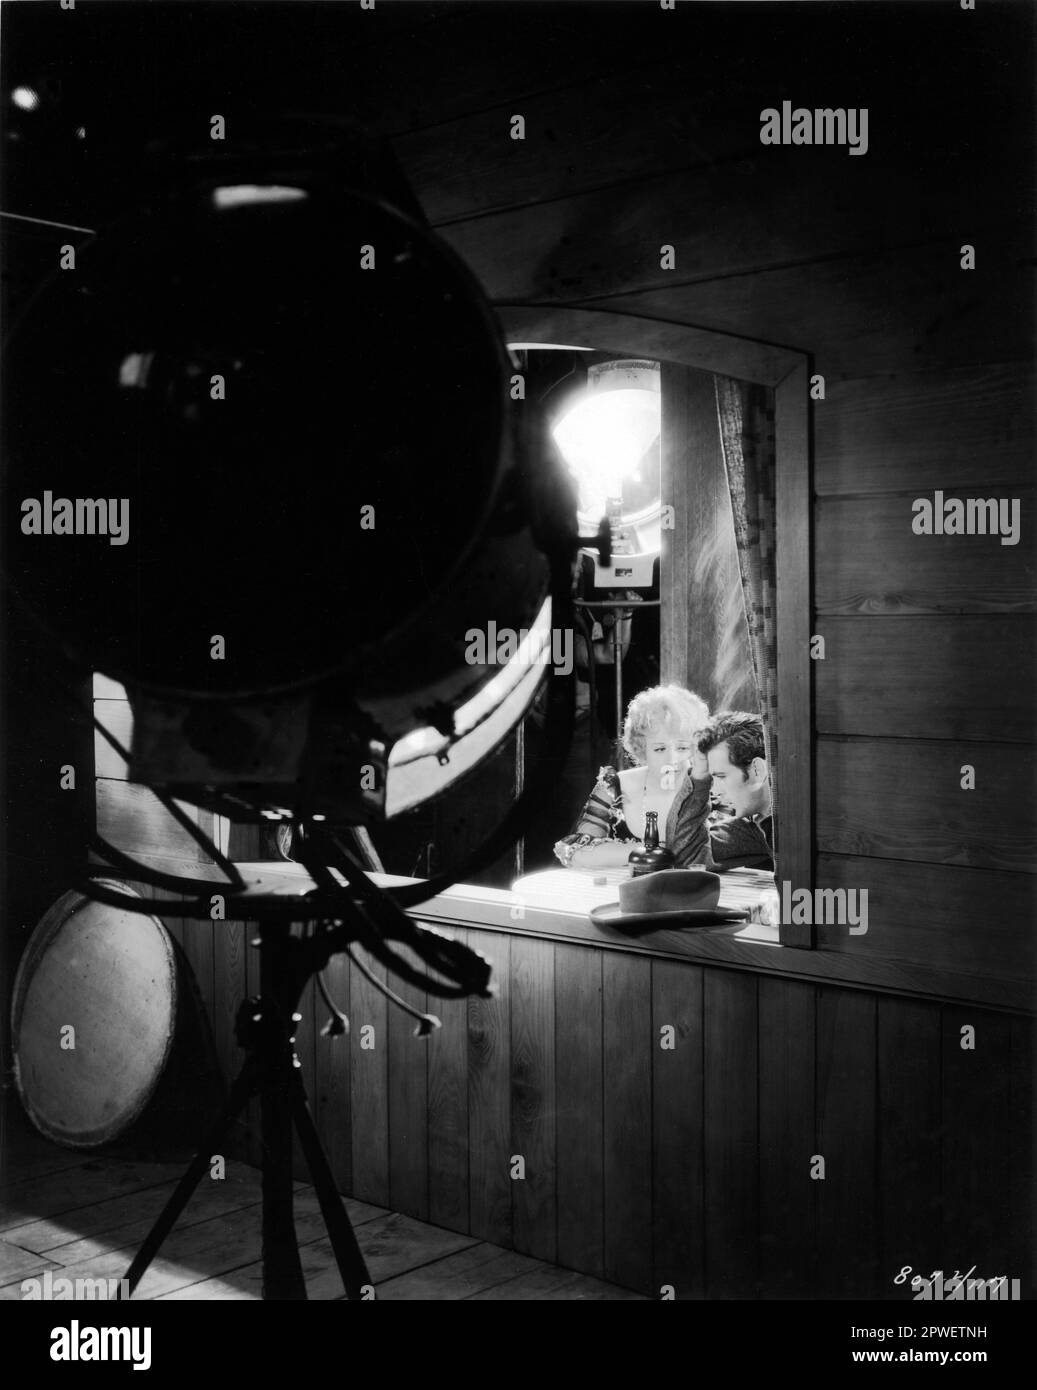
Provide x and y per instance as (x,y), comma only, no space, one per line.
(669,898)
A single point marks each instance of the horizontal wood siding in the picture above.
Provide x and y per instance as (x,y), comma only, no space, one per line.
(870,562)
(887,433)
(927,384)
(902,310)
(988,931)
(908,802)
(943,678)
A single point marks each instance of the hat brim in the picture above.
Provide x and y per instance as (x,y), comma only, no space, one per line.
(612,915)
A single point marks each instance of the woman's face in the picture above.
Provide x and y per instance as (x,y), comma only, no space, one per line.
(666,755)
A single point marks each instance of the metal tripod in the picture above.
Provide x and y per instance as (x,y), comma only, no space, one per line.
(265,1026)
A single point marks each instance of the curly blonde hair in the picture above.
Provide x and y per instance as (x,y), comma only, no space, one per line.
(677,710)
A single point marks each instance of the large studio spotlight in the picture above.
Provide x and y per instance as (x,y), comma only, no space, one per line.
(262,469)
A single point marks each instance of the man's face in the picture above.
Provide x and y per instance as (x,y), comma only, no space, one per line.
(738,794)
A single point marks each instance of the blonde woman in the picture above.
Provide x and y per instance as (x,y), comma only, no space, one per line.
(658,735)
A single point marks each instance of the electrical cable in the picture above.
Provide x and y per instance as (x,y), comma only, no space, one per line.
(383,915)
(426,1022)
(337,1023)
(377,919)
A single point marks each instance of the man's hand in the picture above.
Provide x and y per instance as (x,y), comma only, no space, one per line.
(698,764)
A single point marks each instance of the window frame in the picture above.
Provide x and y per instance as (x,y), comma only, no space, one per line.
(786,371)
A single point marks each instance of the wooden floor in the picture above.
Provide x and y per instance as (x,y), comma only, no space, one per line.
(83,1217)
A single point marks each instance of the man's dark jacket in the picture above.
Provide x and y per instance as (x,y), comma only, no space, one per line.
(727,844)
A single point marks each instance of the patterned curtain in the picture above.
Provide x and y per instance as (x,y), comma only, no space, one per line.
(746,416)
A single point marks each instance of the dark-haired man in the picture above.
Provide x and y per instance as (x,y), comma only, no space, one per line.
(730,756)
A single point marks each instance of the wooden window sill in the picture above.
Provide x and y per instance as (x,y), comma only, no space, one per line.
(753,947)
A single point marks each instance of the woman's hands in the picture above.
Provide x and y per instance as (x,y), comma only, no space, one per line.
(610,854)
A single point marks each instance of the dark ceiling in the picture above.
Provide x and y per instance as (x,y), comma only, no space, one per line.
(114,80)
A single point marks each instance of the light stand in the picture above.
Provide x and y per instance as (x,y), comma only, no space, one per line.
(265,1027)
(624,608)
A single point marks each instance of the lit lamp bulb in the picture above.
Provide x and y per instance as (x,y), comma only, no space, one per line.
(610,440)
(603,439)
(25,98)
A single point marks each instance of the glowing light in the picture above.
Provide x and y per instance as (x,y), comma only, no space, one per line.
(237,195)
(603,439)
(134,368)
(26,98)
(548,347)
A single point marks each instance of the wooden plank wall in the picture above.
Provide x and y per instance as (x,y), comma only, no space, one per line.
(689,1165)
(929,384)
(855,261)
(692,1167)
(929,667)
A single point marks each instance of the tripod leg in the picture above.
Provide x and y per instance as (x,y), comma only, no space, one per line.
(240,1091)
(282,1267)
(348,1256)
